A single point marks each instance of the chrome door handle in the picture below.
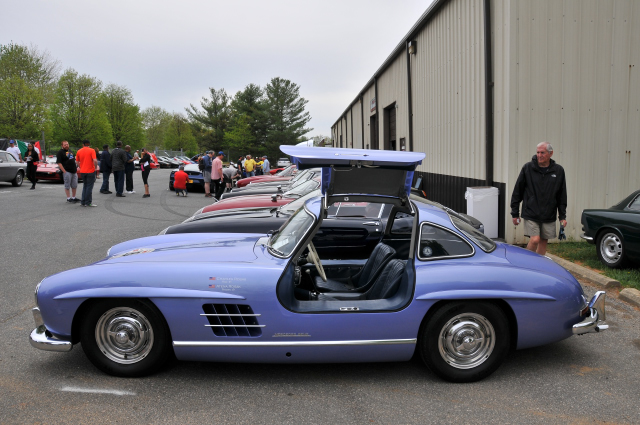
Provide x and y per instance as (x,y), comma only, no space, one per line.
(371,223)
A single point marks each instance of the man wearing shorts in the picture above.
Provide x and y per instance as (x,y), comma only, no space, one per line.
(67,163)
(542,189)
(208,163)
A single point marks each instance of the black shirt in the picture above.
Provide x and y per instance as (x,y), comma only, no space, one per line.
(68,160)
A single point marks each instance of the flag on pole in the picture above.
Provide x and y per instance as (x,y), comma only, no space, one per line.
(23,147)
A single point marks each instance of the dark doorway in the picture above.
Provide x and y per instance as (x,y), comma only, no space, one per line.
(373,128)
(390,127)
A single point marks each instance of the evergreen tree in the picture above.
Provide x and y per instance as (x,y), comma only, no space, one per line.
(211,123)
(286,113)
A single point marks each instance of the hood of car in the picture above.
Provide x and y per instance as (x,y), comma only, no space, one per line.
(249,201)
(186,248)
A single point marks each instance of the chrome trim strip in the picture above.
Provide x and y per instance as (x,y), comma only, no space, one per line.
(226,315)
(292,343)
(587,238)
(235,326)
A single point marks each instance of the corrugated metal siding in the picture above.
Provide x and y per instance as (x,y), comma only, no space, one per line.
(392,87)
(448,91)
(576,85)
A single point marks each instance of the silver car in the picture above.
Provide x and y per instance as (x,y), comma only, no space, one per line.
(11,170)
(283,162)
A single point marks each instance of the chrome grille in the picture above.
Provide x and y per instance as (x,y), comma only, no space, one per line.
(232,320)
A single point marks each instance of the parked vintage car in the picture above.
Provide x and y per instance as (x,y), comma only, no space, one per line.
(196,179)
(283,162)
(615,231)
(11,170)
(263,200)
(49,170)
(284,175)
(271,187)
(445,291)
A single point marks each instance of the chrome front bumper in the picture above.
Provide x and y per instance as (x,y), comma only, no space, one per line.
(595,316)
(42,339)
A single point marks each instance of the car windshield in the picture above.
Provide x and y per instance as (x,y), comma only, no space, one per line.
(301,189)
(300,176)
(291,233)
(355,209)
(294,206)
(486,244)
(52,160)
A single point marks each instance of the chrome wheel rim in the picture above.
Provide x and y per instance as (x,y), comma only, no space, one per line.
(611,248)
(19,179)
(466,341)
(124,335)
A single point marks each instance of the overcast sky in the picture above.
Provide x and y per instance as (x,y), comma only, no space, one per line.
(168,53)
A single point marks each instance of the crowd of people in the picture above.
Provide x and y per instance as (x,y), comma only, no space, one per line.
(90,163)
(222,178)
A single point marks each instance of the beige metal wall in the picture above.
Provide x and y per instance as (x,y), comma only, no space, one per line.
(392,87)
(575,83)
(448,91)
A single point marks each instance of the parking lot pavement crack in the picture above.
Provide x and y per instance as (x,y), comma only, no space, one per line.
(14,315)
(108,204)
(165,206)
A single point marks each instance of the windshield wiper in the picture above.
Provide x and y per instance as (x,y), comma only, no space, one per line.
(277,251)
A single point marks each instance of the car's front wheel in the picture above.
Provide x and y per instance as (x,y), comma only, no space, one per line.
(126,337)
(17,181)
(465,341)
(610,249)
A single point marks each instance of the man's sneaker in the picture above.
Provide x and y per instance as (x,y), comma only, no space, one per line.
(70,200)
(91,205)
(75,199)
(120,195)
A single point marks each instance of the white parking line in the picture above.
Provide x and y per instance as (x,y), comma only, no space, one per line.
(96,391)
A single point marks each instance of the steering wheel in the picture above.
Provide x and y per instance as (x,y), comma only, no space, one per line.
(315,259)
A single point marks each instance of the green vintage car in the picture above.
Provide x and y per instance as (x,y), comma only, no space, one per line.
(615,231)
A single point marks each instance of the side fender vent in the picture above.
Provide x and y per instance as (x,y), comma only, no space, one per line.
(232,320)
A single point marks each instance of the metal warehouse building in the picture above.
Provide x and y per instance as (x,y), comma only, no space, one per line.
(476,85)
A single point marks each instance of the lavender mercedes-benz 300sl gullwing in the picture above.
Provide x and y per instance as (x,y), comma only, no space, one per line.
(434,285)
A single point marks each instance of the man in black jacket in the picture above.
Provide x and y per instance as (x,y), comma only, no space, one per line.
(105,168)
(542,189)
(118,161)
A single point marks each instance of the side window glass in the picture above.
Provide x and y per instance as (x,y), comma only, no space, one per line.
(437,242)
(9,157)
(635,204)
(2,156)
(355,209)
(402,224)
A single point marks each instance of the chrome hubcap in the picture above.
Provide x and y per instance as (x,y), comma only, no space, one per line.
(611,248)
(124,335)
(466,341)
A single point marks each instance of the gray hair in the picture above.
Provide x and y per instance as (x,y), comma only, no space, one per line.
(548,145)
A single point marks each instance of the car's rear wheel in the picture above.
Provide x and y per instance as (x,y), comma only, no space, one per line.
(611,249)
(126,337)
(465,341)
(18,179)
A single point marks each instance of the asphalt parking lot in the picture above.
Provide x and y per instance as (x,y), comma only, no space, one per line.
(593,378)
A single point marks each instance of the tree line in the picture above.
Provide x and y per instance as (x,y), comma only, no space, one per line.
(36,97)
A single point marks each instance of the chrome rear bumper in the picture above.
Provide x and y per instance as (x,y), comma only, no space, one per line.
(587,238)
(42,339)
(595,316)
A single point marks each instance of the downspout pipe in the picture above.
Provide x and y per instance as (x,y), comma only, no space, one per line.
(375,81)
(488,94)
(362,119)
(409,101)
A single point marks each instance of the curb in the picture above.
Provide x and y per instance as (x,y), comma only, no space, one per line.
(630,295)
(585,273)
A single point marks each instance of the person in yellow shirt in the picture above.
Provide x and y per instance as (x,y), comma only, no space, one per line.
(259,168)
(250,166)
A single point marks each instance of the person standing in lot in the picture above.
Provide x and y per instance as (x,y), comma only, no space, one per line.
(180,179)
(208,162)
(229,174)
(241,166)
(217,176)
(266,165)
(145,167)
(31,157)
(542,189)
(67,163)
(15,151)
(87,163)
(105,168)
(129,168)
(118,160)
(250,166)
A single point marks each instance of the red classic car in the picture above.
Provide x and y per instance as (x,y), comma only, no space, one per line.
(49,170)
(263,201)
(284,175)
